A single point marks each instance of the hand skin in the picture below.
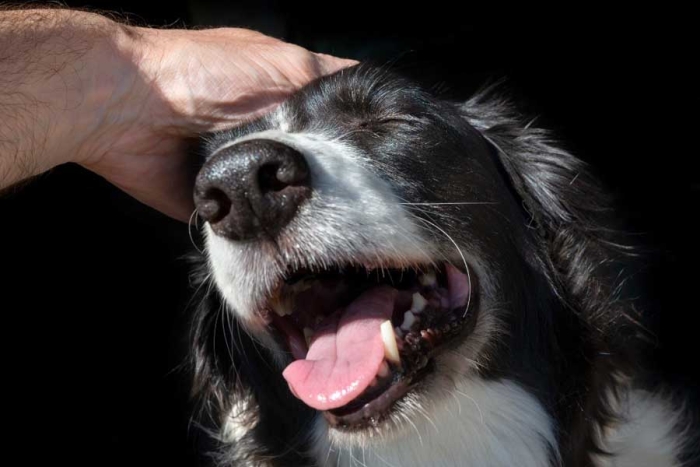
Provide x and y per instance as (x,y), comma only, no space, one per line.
(122,101)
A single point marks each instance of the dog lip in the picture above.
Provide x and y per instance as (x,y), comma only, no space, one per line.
(372,412)
(420,345)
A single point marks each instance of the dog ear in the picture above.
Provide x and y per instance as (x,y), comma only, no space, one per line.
(584,254)
(556,187)
(567,206)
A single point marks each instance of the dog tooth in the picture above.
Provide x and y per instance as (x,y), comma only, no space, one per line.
(281,306)
(391,351)
(307,335)
(408,320)
(398,332)
(374,382)
(383,371)
(418,304)
(428,279)
(276,306)
(428,336)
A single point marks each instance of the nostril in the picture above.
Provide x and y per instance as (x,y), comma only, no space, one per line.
(275,176)
(214,205)
(253,189)
(268,178)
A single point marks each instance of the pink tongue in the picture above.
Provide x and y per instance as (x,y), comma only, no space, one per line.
(345,354)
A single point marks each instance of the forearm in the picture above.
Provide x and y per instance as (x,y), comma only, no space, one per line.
(122,100)
(54,85)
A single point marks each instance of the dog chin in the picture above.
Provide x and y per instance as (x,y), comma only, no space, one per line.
(436,392)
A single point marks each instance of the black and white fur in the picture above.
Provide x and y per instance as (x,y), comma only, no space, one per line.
(549,376)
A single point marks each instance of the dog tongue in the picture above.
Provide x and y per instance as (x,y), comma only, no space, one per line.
(345,354)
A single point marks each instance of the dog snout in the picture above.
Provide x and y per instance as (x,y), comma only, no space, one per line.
(252,189)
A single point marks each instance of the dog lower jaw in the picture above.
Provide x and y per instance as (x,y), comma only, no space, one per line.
(373,412)
(434,330)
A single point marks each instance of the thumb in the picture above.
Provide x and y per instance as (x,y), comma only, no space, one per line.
(329,64)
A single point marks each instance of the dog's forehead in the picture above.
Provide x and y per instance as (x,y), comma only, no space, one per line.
(348,97)
(362,92)
(364,107)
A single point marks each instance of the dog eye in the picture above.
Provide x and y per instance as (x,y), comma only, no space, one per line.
(394,120)
(388,121)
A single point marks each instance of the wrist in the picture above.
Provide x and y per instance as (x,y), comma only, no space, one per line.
(108,95)
(136,95)
(212,78)
(60,69)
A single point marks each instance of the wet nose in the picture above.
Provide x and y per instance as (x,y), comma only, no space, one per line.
(252,189)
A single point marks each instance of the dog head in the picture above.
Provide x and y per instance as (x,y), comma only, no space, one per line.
(370,245)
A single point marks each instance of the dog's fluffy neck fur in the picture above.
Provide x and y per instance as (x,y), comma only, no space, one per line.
(497,423)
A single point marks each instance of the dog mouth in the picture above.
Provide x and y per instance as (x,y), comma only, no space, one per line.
(361,338)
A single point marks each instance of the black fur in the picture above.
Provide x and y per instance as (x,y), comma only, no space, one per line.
(575,329)
(228,362)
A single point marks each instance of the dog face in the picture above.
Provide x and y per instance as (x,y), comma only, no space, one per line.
(384,248)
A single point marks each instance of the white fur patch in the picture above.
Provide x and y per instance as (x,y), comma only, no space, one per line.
(649,434)
(241,419)
(352,217)
(279,119)
(484,424)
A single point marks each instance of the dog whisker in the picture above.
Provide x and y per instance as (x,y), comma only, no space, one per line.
(461,254)
(422,411)
(410,422)
(471,361)
(470,203)
(189,230)
(471,399)
(389,464)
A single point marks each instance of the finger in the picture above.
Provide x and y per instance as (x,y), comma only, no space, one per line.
(329,64)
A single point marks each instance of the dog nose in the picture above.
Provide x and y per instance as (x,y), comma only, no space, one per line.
(252,189)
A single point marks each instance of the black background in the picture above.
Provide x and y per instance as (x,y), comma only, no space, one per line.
(95,288)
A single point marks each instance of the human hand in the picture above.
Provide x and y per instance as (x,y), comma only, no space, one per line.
(122,101)
(189,82)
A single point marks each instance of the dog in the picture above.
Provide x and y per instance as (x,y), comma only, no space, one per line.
(394,279)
